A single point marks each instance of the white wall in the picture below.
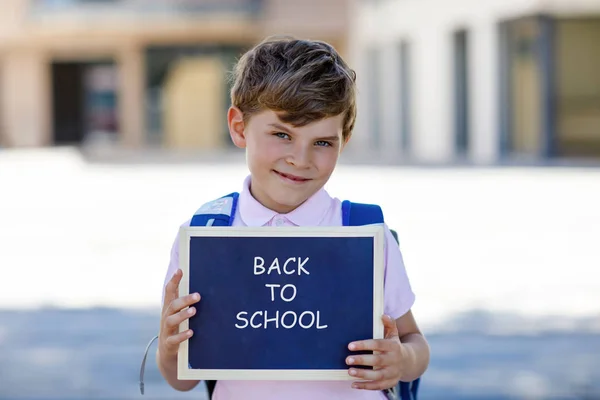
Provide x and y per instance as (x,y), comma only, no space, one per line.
(428,25)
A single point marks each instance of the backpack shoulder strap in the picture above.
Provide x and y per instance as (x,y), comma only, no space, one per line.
(357,214)
(218,212)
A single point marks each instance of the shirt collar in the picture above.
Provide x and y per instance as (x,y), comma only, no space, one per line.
(310,213)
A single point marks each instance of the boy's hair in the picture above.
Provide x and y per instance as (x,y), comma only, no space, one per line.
(301,80)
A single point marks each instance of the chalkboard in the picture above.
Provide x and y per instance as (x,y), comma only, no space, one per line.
(279,302)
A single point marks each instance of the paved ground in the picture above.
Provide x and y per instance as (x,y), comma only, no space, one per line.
(55,354)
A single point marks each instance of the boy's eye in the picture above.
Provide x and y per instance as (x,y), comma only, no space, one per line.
(323,143)
(282,135)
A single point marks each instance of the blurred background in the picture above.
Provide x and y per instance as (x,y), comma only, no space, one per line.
(478,132)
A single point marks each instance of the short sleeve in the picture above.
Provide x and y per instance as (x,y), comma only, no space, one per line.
(173,261)
(399,297)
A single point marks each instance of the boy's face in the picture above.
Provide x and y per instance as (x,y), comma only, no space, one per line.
(288,164)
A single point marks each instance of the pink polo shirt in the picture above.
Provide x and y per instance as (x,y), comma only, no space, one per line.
(320,210)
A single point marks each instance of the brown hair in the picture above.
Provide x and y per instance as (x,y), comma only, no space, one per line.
(301,80)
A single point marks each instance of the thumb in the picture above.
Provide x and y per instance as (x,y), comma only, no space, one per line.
(390,330)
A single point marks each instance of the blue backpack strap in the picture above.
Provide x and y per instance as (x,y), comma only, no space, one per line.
(219,212)
(357,214)
(408,390)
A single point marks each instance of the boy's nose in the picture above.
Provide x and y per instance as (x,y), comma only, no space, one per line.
(300,158)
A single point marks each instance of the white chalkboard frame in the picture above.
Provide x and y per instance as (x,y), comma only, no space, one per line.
(375,231)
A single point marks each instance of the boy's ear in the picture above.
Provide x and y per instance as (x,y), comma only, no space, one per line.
(235,120)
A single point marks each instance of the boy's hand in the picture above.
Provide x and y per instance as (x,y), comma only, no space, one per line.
(173,314)
(388,360)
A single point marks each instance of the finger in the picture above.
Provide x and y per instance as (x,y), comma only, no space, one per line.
(172,287)
(174,320)
(175,340)
(390,329)
(183,302)
(369,360)
(368,374)
(380,345)
(374,385)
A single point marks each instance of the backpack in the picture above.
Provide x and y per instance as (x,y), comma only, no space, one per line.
(220,212)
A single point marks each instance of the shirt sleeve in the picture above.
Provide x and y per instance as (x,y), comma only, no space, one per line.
(399,297)
(173,261)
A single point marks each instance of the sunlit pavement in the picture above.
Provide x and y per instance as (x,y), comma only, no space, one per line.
(515,240)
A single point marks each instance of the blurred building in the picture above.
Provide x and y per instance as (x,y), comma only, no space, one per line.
(136,72)
(482,81)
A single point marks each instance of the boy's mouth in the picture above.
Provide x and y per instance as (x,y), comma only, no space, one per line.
(291,177)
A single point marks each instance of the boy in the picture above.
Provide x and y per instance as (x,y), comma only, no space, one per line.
(293,110)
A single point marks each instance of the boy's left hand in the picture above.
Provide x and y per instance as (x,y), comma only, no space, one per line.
(388,360)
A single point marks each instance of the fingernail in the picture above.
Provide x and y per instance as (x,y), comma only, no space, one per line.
(189,333)
(191,310)
(351,346)
(351,360)
(196,296)
(352,372)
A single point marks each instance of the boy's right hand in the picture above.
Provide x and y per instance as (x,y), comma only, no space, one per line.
(175,312)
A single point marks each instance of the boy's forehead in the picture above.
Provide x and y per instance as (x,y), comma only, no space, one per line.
(332,124)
